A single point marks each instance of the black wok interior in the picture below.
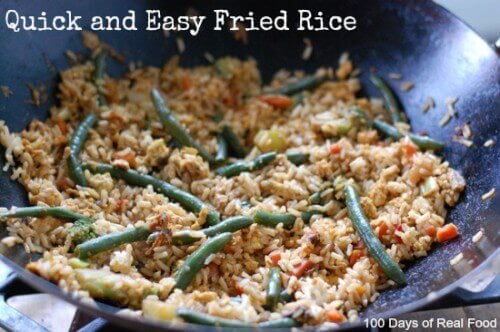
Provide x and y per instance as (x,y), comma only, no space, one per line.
(418,39)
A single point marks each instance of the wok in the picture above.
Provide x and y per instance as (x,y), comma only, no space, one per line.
(419,39)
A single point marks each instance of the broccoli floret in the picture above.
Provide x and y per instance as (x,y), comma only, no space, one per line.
(82,230)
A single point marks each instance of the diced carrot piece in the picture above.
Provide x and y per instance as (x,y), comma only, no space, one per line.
(186,82)
(382,229)
(63,127)
(430,230)
(128,156)
(121,203)
(355,256)
(303,267)
(277,101)
(275,256)
(447,232)
(333,315)
(399,228)
(335,148)
(409,147)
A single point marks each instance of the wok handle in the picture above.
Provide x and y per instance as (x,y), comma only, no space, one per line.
(13,320)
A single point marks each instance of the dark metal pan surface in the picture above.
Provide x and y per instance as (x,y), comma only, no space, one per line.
(422,41)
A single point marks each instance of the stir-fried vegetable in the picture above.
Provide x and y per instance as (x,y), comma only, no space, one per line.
(273,288)
(246,166)
(221,155)
(205,319)
(75,145)
(297,158)
(97,77)
(447,232)
(105,285)
(274,219)
(228,225)
(82,230)
(423,142)
(371,241)
(270,140)
(305,83)
(41,212)
(187,200)
(110,241)
(196,260)
(174,127)
(390,100)
(234,144)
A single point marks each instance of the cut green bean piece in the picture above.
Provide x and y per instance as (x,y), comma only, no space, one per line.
(305,83)
(233,141)
(132,177)
(285,296)
(41,212)
(98,75)
(189,236)
(196,260)
(391,103)
(371,241)
(297,158)
(273,288)
(75,145)
(174,127)
(423,142)
(307,215)
(221,155)
(109,241)
(274,219)
(190,316)
(315,198)
(102,284)
(246,166)
(279,323)
(193,317)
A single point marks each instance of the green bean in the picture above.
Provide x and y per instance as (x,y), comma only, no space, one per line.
(246,166)
(371,241)
(298,98)
(285,296)
(307,215)
(132,177)
(234,144)
(274,219)
(297,158)
(110,241)
(197,259)
(279,323)
(230,225)
(221,155)
(315,198)
(423,142)
(273,288)
(97,76)
(75,145)
(390,101)
(190,316)
(174,127)
(306,83)
(41,212)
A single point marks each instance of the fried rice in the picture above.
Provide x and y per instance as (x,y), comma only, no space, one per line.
(129,134)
